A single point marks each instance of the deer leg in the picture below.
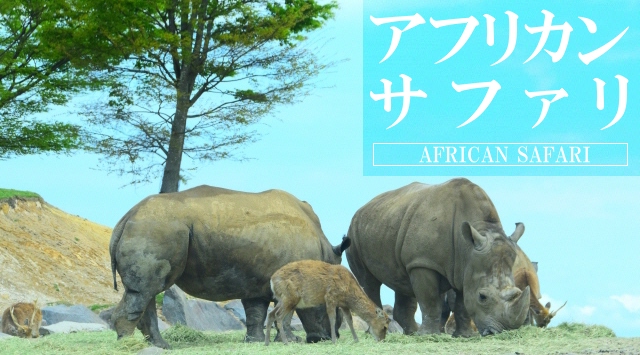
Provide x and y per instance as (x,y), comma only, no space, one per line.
(270,319)
(346,313)
(331,313)
(282,312)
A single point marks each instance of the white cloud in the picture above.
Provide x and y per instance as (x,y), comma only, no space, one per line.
(631,303)
(587,310)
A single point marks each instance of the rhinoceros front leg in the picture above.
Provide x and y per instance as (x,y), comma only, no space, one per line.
(426,287)
(256,311)
(148,325)
(463,320)
(404,311)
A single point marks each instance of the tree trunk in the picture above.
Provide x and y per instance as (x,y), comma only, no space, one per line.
(171,176)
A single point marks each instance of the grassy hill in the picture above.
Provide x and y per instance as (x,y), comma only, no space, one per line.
(9,193)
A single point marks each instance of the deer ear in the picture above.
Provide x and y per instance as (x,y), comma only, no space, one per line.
(548,305)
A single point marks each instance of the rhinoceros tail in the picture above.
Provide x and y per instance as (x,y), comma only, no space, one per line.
(113,244)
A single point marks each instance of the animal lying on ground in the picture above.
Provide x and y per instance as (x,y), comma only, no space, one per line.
(22,320)
(421,240)
(309,283)
(215,244)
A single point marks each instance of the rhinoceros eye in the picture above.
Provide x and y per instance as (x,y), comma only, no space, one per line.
(482,297)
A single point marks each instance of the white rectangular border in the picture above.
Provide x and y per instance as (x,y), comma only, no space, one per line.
(373,156)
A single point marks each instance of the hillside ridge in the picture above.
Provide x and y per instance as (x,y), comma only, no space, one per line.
(50,255)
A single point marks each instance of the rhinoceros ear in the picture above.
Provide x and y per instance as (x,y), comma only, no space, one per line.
(472,236)
(518,232)
(338,249)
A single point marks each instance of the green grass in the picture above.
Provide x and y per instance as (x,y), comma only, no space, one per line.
(565,338)
(8,193)
(97,308)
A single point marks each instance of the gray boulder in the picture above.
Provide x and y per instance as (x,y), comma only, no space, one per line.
(197,314)
(106,317)
(358,324)
(4,336)
(394,327)
(77,313)
(237,309)
(72,327)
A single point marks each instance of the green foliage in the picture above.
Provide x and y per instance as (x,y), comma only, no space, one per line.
(159,299)
(199,75)
(45,57)
(183,334)
(100,307)
(9,193)
(22,137)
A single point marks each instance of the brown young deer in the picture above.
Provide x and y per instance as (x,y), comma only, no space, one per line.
(22,320)
(310,283)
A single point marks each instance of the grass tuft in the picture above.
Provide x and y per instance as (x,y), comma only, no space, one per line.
(9,193)
(183,334)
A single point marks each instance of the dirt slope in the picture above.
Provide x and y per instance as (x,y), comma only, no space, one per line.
(53,256)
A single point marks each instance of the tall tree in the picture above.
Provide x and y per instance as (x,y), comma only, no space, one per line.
(206,71)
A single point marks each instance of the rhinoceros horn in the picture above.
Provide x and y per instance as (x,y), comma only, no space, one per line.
(518,232)
(518,308)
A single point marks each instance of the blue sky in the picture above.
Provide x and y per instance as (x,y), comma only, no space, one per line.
(581,230)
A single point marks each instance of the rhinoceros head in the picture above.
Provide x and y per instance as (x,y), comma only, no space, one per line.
(490,295)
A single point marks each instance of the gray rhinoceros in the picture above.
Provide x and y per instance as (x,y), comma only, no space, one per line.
(421,240)
(215,244)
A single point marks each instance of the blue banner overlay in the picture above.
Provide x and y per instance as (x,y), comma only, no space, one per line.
(558,81)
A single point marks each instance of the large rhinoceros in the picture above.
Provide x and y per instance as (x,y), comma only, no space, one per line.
(215,244)
(421,240)
(525,273)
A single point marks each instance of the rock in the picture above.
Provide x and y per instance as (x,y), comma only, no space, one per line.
(394,327)
(106,317)
(151,351)
(162,325)
(77,314)
(197,314)
(4,336)
(237,309)
(358,324)
(388,310)
(72,327)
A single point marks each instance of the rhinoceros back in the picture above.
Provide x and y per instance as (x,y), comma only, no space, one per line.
(236,239)
(416,226)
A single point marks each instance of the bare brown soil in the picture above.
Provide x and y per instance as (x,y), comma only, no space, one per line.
(52,256)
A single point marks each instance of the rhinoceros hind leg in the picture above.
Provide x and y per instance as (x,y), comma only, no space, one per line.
(426,287)
(148,325)
(462,318)
(256,311)
(404,311)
